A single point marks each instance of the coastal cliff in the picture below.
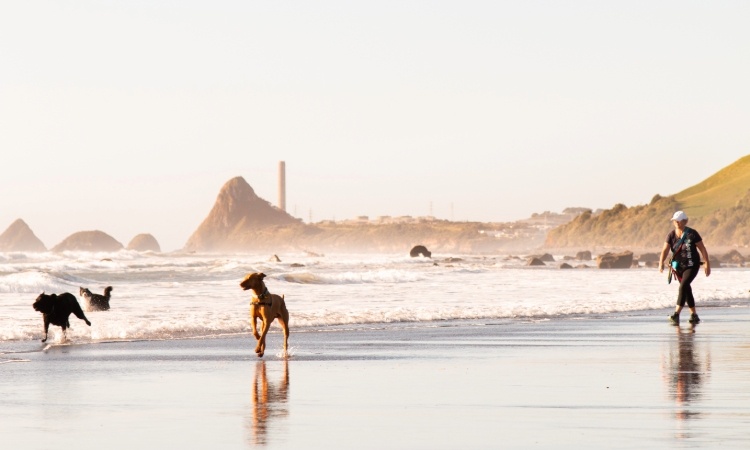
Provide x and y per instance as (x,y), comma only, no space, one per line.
(718,207)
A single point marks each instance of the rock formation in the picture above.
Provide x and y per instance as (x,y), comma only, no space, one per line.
(649,258)
(545,257)
(144,243)
(622,260)
(238,221)
(19,238)
(534,261)
(420,250)
(89,241)
(732,257)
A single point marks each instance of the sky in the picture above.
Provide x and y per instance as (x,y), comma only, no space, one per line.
(129,116)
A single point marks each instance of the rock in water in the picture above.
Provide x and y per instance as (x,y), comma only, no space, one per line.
(144,243)
(89,241)
(622,260)
(237,215)
(19,238)
(420,250)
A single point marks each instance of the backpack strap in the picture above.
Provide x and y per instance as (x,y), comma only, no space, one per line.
(679,243)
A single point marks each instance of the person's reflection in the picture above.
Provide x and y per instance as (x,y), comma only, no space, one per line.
(269,402)
(687,373)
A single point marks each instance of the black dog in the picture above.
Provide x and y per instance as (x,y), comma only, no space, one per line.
(96,302)
(56,308)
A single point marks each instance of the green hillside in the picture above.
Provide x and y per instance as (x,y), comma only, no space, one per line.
(719,207)
(721,190)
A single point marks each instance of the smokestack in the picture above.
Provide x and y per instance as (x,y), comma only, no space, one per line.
(282,186)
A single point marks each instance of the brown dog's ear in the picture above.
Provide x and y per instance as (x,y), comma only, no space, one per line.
(262,275)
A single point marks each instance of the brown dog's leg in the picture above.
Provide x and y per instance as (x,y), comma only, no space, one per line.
(253,317)
(261,347)
(284,322)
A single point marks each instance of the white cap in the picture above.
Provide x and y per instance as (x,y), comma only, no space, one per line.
(679,216)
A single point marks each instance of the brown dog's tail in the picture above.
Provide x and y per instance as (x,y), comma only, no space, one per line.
(107,290)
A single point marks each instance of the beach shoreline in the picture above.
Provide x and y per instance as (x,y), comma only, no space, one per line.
(615,381)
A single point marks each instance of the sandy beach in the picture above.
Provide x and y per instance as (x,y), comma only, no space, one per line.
(608,382)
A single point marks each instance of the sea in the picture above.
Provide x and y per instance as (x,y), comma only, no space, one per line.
(159,296)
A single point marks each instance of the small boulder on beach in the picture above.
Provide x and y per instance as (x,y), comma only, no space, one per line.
(610,260)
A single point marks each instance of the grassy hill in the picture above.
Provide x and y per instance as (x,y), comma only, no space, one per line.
(718,207)
(719,191)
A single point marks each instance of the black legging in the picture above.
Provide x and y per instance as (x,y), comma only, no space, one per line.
(685,294)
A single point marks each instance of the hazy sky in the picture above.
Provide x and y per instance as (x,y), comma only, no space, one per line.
(129,116)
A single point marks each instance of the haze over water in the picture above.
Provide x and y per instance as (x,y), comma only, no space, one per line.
(127,117)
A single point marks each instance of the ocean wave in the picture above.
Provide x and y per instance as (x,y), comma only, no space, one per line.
(351,277)
(36,282)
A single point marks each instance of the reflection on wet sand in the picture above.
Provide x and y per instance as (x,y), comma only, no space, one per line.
(687,370)
(269,402)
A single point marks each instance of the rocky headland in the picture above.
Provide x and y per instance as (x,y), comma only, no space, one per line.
(240,221)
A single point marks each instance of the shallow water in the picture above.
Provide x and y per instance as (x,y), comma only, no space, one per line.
(614,382)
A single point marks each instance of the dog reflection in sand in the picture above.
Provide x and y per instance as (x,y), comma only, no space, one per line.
(269,402)
(266,307)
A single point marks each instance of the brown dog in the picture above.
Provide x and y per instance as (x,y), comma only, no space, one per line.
(266,307)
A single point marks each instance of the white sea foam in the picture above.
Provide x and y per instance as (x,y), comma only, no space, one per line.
(159,296)
(36,282)
(352,277)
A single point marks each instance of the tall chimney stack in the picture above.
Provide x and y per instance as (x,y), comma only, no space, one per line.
(282,186)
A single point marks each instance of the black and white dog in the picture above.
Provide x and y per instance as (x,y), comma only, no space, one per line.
(96,302)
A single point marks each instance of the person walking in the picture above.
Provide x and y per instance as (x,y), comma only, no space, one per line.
(687,249)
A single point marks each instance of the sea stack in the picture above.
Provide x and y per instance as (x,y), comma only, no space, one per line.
(237,220)
(19,238)
(89,241)
(144,243)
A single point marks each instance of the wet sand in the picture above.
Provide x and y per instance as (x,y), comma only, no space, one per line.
(610,382)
